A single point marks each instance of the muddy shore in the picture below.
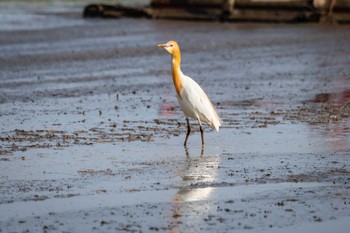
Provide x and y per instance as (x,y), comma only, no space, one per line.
(91,132)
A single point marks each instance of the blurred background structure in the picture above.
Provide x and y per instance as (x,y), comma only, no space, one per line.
(323,11)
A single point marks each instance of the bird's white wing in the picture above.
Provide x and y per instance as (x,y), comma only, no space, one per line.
(196,104)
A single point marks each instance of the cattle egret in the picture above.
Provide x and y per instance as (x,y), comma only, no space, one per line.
(193,101)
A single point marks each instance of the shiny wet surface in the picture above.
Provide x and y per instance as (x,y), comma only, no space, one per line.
(91,132)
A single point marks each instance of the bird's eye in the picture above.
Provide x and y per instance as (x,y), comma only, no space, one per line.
(171,45)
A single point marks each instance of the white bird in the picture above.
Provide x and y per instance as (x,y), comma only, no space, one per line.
(193,101)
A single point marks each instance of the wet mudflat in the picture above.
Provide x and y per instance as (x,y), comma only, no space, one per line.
(91,132)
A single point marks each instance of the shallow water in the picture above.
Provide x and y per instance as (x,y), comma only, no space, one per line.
(91,132)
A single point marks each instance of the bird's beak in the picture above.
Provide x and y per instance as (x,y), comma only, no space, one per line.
(161,45)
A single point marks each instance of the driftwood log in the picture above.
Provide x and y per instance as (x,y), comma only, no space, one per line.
(324,11)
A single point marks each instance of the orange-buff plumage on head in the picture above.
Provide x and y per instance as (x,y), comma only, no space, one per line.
(174,49)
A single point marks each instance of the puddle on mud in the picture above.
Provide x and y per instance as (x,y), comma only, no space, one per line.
(91,133)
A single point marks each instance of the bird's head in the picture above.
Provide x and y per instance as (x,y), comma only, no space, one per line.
(171,46)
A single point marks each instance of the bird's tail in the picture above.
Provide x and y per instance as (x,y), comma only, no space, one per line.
(216,123)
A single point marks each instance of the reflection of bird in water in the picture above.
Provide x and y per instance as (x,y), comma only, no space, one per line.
(190,204)
(193,101)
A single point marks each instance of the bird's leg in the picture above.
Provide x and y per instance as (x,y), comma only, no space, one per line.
(188,131)
(202,132)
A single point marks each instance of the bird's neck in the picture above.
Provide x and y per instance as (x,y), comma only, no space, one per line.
(176,72)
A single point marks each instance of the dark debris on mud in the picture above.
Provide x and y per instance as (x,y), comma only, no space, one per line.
(22,140)
(316,112)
